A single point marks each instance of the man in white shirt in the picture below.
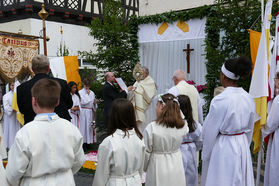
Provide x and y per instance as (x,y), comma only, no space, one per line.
(183,88)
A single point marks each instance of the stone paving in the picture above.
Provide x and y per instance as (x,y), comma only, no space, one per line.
(83,179)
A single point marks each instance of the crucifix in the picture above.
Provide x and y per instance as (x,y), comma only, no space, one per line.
(188,50)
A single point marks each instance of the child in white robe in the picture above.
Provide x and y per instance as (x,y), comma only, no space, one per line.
(121,154)
(191,143)
(272,157)
(228,129)
(11,125)
(75,110)
(3,180)
(163,137)
(47,151)
(87,114)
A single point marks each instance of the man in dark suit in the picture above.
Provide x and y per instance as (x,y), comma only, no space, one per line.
(40,66)
(110,93)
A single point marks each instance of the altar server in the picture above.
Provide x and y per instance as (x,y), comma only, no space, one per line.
(11,125)
(48,150)
(121,154)
(163,137)
(272,157)
(228,129)
(191,143)
(87,113)
(75,110)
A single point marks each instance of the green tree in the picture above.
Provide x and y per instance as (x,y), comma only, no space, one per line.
(228,37)
(115,50)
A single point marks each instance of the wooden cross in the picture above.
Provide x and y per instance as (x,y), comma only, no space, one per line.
(188,50)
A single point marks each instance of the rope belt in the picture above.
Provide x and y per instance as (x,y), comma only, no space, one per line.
(186,142)
(125,176)
(236,134)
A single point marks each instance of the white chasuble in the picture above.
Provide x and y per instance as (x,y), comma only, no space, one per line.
(189,90)
(141,97)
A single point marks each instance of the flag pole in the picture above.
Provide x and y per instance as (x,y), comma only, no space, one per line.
(259,164)
(262,7)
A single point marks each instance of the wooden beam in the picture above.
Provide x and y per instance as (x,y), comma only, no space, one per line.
(134,11)
(79,5)
(84,5)
(92,7)
(20,35)
(128,8)
(100,8)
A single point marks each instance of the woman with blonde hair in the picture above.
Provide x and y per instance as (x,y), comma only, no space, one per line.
(163,137)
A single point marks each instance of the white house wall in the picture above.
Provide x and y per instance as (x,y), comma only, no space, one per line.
(75,37)
(151,7)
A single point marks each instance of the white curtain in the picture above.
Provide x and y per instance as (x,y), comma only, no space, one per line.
(163,58)
(163,54)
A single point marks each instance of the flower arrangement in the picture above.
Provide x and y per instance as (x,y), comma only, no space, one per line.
(200,88)
(91,160)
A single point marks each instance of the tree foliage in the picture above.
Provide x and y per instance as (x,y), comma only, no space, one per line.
(115,51)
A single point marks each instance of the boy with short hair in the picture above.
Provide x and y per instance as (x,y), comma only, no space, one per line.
(47,151)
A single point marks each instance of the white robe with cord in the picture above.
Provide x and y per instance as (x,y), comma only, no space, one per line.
(3,151)
(75,114)
(46,152)
(191,143)
(163,160)
(272,157)
(120,160)
(227,134)
(3,180)
(11,125)
(87,117)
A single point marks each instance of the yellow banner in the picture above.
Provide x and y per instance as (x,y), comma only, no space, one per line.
(16,55)
(71,67)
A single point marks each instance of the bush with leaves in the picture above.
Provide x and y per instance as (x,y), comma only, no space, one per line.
(115,51)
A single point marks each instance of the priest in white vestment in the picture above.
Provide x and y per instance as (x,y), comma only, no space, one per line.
(272,157)
(228,130)
(11,125)
(141,97)
(183,88)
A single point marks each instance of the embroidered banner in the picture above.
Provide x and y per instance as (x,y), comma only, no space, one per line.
(16,55)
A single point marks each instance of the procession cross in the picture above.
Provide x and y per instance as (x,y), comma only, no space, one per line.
(188,50)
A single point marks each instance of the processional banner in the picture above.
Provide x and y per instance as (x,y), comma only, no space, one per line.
(16,55)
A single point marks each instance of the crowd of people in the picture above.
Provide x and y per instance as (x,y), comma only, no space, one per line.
(48,150)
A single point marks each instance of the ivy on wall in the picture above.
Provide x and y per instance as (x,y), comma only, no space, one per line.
(227,24)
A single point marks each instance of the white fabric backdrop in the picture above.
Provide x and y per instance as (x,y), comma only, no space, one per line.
(163,58)
(149,32)
(164,54)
